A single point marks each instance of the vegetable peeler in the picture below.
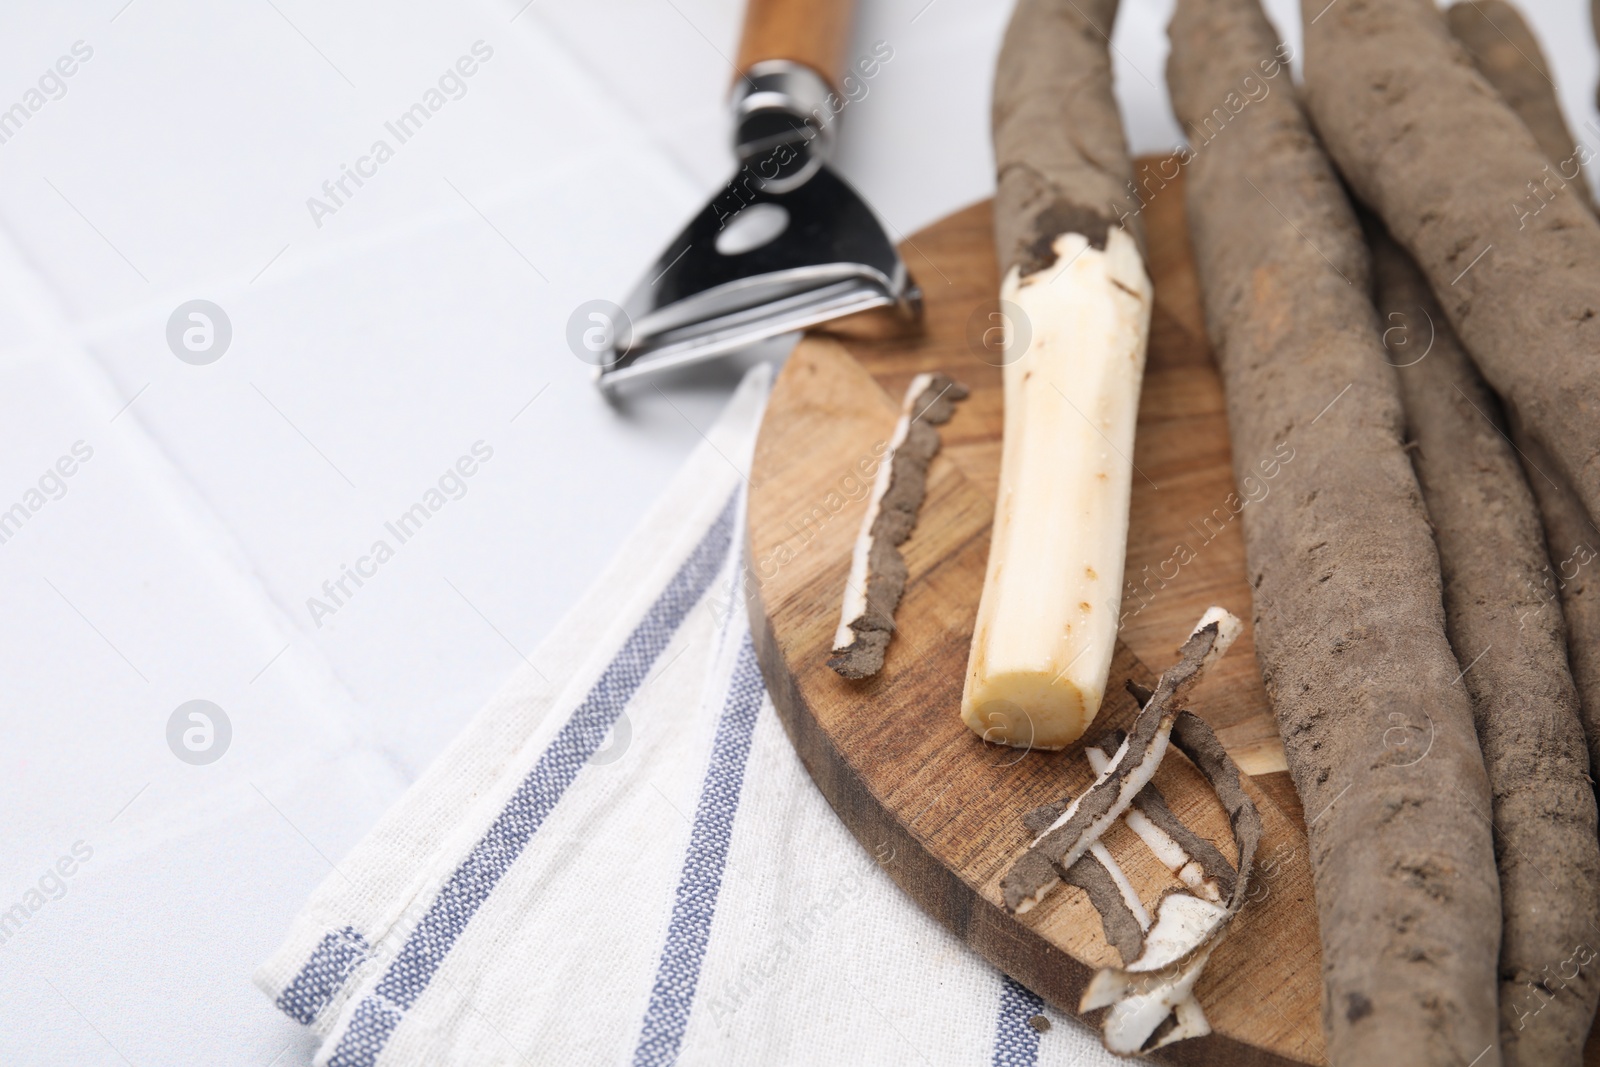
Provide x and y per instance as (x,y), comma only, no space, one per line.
(786,243)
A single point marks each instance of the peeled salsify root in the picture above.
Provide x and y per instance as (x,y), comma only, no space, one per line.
(1077,291)
(1162,957)
(1047,620)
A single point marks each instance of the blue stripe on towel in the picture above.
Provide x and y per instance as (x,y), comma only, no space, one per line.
(413,967)
(678,973)
(1016,1044)
(327,970)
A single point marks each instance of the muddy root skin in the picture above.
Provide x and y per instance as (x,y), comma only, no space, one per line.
(1121,928)
(1571,539)
(1508,56)
(1349,620)
(1492,556)
(1061,158)
(1517,273)
(1572,586)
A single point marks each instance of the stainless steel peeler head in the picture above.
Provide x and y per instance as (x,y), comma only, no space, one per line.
(786,244)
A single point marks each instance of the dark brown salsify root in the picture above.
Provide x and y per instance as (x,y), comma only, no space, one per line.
(1571,588)
(877,570)
(1509,248)
(1573,542)
(1508,56)
(1349,620)
(1513,651)
(1057,177)
(1567,592)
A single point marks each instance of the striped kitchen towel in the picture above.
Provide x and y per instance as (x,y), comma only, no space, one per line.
(622,861)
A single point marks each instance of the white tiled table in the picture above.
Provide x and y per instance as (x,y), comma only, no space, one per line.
(371,347)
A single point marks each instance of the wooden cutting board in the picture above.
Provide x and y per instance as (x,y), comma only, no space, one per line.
(939,808)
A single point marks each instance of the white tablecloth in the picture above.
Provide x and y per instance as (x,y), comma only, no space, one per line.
(174,531)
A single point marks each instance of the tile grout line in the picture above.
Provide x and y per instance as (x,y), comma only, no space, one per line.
(179,500)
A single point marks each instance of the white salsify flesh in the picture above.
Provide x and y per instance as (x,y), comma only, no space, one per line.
(1047,620)
(1137,1008)
(855,588)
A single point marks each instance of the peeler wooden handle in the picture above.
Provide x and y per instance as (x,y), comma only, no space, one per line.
(813,33)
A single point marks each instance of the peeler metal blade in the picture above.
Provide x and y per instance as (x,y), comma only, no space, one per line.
(723,284)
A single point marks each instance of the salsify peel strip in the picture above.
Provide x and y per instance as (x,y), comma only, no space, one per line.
(1151,996)
(1087,818)
(1196,862)
(877,569)
(1192,859)
(1160,982)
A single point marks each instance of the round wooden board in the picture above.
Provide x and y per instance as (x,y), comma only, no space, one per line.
(940,808)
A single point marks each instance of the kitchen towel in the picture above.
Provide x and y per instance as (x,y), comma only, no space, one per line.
(622,861)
